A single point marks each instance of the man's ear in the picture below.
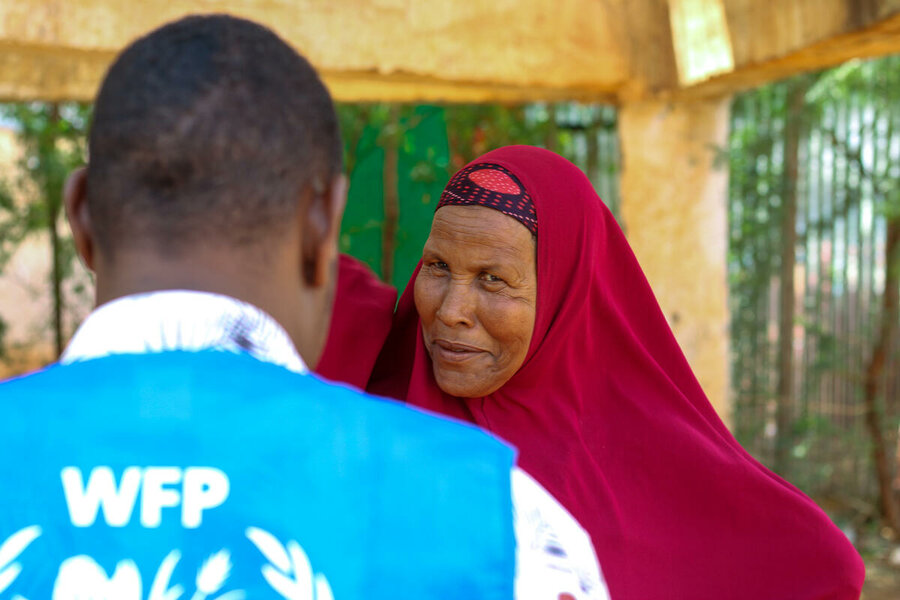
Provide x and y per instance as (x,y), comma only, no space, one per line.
(321,227)
(75,200)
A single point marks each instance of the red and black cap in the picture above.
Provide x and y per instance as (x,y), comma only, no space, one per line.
(493,186)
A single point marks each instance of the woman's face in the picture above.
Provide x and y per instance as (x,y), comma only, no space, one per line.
(476,295)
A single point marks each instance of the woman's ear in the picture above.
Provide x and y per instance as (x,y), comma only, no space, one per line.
(321,228)
(75,200)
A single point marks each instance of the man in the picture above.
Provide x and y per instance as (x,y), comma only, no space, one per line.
(182,448)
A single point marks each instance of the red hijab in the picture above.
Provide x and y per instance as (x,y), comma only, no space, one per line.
(360,322)
(609,417)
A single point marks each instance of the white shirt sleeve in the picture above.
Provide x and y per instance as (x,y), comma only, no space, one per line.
(554,554)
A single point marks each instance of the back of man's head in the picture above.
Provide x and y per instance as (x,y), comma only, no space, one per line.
(208,131)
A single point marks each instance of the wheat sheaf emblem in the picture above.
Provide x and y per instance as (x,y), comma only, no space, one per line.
(10,551)
(289,571)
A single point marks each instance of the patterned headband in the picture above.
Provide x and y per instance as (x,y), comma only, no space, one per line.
(493,186)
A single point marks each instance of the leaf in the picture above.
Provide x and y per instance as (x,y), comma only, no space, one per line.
(270,547)
(159,591)
(284,585)
(81,577)
(214,572)
(302,568)
(323,589)
(125,581)
(8,575)
(16,544)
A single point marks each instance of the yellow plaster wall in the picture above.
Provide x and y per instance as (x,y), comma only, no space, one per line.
(674,211)
(473,50)
(55,49)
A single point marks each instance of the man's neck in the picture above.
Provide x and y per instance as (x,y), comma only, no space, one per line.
(274,290)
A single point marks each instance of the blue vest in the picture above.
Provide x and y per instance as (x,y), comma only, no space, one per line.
(213,475)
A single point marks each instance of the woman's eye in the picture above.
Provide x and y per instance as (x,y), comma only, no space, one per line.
(492,278)
(437,264)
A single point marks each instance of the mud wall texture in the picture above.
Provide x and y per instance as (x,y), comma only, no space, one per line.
(674,212)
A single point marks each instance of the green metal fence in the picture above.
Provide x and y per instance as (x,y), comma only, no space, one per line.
(813,209)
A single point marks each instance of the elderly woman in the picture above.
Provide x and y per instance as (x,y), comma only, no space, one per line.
(530,316)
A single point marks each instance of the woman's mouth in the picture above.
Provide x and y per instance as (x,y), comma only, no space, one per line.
(454,352)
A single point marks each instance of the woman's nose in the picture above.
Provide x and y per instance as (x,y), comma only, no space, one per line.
(457,306)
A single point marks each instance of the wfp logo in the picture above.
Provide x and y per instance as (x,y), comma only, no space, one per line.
(202,488)
(197,489)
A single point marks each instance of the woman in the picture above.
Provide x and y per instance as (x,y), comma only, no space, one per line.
(530,316)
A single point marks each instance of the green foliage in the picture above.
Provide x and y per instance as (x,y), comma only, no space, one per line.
(435,141)
(53,139)
(431,143)
(847,192)
(476,129)
(53,142)
(875,83)
(3,328)
(418,135)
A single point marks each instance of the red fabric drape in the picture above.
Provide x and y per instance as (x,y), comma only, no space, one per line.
(609,417)
(361,321)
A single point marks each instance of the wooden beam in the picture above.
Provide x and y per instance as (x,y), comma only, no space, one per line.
(46,73)
(701,38)
(646,37)
(797,36)
(400,50)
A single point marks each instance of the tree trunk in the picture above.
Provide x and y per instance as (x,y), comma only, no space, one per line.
(784,414)
(551,135)
(391,195)
(593,151)
(53,209)
(56,281)
(890,307)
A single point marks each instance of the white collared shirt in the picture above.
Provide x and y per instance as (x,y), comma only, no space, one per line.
(554,554)
(182,320)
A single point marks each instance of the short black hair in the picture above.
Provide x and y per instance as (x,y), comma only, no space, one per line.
(209,129)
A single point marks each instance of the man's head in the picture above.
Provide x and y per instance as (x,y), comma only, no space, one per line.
(215,161)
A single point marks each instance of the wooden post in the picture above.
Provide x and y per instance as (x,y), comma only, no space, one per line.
(784,414)
(54,207)
(890,307)
(675,211)
(391,145)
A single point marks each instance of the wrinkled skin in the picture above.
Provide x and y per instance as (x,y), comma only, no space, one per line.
(476,295)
